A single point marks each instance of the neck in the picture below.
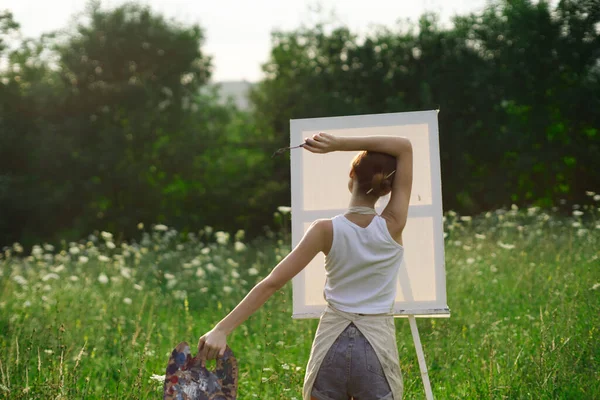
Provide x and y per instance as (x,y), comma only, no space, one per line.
(361,202)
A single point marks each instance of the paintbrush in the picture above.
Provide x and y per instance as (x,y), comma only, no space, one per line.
(284,149)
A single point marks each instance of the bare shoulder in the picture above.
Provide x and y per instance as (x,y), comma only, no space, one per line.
(323,224)
(323,228)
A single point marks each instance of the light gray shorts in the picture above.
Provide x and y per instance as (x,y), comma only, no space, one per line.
(351,369)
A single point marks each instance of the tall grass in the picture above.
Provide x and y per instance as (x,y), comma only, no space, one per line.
(98,319)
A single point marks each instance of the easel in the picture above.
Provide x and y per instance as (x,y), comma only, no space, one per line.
(316,195)
(420,356)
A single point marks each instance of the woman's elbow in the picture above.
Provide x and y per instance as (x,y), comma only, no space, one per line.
(272,284)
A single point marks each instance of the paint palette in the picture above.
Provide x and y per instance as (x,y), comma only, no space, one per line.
(188,379)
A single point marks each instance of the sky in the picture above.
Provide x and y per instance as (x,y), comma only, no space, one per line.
(238,32)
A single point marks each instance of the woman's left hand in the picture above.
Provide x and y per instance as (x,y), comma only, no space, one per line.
(212,344)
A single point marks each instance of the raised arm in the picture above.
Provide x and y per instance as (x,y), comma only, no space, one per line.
(396,212)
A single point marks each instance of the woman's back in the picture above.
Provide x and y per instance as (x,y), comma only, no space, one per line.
(362,267)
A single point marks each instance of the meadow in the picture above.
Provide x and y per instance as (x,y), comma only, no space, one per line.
(97,319)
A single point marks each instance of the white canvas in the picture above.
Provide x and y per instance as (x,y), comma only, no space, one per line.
(319,190)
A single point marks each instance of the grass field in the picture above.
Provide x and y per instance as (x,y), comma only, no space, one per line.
(98,318)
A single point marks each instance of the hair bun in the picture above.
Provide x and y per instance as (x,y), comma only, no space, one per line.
(377,183)
(373,172)
(377,180)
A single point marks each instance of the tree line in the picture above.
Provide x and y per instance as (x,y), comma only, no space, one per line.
(110,122)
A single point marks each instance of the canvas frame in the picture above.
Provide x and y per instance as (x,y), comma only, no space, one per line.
(425,216)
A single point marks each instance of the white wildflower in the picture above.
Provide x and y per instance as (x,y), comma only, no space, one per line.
(239,235)
(232,262)
(158,378)
(577,213)
(37,251)
(58,268)
(597,197)
(160,228)
(49,351)
(210,267)
(506,246)
(17,248)
(235,274)
(480,236)
(74,250)
(252,271)
(582,232)
(596,286)
(127,300)
(222,237)
(74,278)
(470,260)
(467,248)
(126,272)
(239,246)
(49,276)
(205,250)
(20,280)
(208,229)
(169,276)
(200,273)
(227,289)
(285,366)
(284,209)
(83,259)
(532,210)
(493,268)
(140,226)
(591,194)
(466,218)
(180,294)
(103,279)
(576,224)
(106,235)
(137,287)
(110,245)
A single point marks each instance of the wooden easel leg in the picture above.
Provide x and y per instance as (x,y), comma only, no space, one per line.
(420,357)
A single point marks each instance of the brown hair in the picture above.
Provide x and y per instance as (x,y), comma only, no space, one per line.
(374,172)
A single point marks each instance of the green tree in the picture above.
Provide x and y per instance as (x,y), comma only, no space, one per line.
(516,85)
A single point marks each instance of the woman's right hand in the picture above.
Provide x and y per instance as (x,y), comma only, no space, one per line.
(323,143)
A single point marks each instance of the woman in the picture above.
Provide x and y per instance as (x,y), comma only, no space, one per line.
(354,353)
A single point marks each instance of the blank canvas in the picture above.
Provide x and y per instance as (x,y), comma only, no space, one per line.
(319,190)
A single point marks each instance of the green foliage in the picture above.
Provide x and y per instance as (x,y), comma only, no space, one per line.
(98,318)
(110,122)
(118,131)
(517,87)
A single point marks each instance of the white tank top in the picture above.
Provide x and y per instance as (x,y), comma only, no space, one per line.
(362,267)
